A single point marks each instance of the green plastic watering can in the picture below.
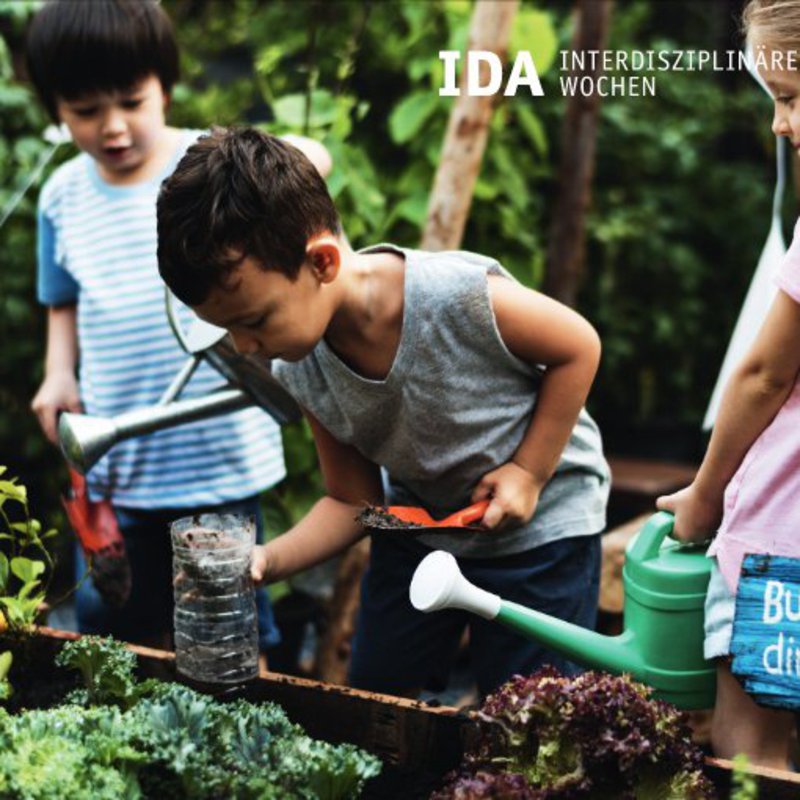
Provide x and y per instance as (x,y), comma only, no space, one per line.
(662,641)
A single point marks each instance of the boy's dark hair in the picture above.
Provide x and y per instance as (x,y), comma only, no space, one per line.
(238,192)
(75,47)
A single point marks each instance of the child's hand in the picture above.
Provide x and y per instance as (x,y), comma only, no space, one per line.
(696,517)
(260,564)
(514,493)
(58,392)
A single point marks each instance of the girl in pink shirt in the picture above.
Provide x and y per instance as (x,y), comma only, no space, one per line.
(748,486)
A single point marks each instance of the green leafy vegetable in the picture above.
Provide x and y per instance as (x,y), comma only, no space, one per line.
(5,665)
(106,668)
(123,739)
(743,783)
(26,571)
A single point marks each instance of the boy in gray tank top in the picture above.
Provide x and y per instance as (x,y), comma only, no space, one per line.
(439,368)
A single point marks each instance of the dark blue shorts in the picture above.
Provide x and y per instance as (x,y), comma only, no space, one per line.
(398,649)
(148,612)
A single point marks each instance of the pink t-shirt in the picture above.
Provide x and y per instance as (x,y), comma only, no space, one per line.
(762,501)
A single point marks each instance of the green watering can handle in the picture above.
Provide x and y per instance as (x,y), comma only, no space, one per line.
(648,542)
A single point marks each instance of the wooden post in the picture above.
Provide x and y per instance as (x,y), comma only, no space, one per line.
(565,252)
(467,133)
(332,659)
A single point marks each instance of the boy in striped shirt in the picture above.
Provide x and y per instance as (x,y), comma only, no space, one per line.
(106,70)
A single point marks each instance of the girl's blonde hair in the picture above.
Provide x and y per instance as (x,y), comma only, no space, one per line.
(774,23)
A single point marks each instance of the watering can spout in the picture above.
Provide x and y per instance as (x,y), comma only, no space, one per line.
(85,439)
(438,584)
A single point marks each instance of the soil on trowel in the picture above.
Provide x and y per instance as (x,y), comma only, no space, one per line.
(378,518)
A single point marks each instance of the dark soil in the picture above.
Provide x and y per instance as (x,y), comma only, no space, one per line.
(36,682)
(199,563)
(202,540)
(378,518)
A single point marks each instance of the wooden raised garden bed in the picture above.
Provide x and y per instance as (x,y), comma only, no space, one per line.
(417,743)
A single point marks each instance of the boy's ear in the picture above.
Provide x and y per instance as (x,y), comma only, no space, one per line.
(324,256)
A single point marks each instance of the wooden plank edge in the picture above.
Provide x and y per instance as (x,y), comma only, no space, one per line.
(167,656)
(773,784)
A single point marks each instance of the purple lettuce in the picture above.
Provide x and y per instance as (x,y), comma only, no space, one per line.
(591,736)
(483,784)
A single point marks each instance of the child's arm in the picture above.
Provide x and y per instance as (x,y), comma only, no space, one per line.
(754,395)
(539,330)
(314,151)
(330,526)
(59,390)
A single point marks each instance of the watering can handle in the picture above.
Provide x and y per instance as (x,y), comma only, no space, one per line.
(648,541)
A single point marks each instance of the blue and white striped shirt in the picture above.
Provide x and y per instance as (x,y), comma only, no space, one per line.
(97,247)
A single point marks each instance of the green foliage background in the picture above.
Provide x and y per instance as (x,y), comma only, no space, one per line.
(681,195)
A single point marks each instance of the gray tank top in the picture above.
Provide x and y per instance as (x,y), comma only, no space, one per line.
(455,405)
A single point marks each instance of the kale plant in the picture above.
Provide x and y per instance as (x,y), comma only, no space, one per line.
(201,748)
(591,736)
(106,667)
(121,740)
(67,751)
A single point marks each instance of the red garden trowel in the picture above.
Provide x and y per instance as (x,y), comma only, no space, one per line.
(410,519)
(96,527)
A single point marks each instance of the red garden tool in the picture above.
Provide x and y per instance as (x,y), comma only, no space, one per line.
(96,527)
(417,520)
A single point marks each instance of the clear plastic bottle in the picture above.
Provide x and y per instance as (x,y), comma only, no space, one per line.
(216,627)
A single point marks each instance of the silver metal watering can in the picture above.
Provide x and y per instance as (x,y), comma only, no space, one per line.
(84,439)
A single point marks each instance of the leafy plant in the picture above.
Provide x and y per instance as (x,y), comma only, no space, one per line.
(6,689)
(23,580)
(744,785)
(203,749)
(593,736)
(106,669)
(26,566)
(157,739)
(483,785)
(68,751)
